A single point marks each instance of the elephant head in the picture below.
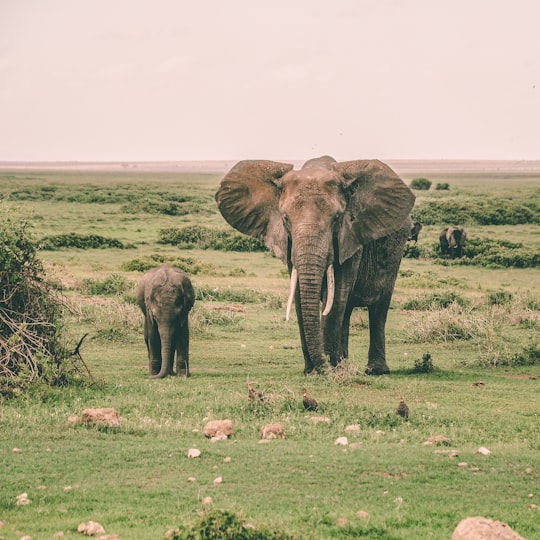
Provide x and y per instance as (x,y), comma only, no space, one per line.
(314,219)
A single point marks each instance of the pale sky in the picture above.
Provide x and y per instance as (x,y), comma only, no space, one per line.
(167,80)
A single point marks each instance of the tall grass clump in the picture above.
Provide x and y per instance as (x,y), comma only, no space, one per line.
(114,284)
(454,323)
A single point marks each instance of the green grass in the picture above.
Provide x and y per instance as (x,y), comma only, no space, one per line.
(135,480)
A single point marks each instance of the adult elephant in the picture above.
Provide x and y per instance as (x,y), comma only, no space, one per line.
(452,240)
(165,296)
(341,229)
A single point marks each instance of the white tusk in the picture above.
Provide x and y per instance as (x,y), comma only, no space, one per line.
(292,290)
(331,288)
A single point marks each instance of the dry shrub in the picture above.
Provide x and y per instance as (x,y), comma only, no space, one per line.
(454,323)
(344,372)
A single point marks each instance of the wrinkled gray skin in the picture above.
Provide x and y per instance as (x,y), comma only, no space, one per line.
(353,215)
(452,240)
(165,296)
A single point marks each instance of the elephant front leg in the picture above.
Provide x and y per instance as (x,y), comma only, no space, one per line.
(153,344)
(182,351)
(377,352)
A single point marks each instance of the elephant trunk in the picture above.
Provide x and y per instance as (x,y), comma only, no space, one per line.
(329,296)
(165,336)
(311,269)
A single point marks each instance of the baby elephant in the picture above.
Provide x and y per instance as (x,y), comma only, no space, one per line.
(452,240)
(165,295)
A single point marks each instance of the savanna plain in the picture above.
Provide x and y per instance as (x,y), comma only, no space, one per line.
(462,346)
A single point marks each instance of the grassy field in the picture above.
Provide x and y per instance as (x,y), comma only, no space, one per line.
(479,386)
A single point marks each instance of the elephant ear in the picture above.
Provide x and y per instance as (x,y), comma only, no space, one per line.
(248,199)
(378,203)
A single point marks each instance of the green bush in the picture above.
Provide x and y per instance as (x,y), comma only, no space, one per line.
(81,241)
(421,184)
(443,186)
(201,237)
(425,365)
(481,212)
(168,208)
(224,525)
(491,253)
(189,265)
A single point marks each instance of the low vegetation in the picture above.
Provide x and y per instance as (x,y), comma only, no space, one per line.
(493,211)
(209,238)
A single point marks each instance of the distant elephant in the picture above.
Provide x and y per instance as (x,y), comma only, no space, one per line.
(341,229)
(165,296)
(452,240)
(415,231)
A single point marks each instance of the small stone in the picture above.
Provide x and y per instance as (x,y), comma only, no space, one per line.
(91,528)
(207,500)
(22,499)
(217,481)
(67,488)
(273,431)
(362,515)
(484,451)
(342,522)
(193,453)
(341,441)
(102,416)
(462,464)
(353,428)
(191,479)
(217,428)
(227,459)
(16,450)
